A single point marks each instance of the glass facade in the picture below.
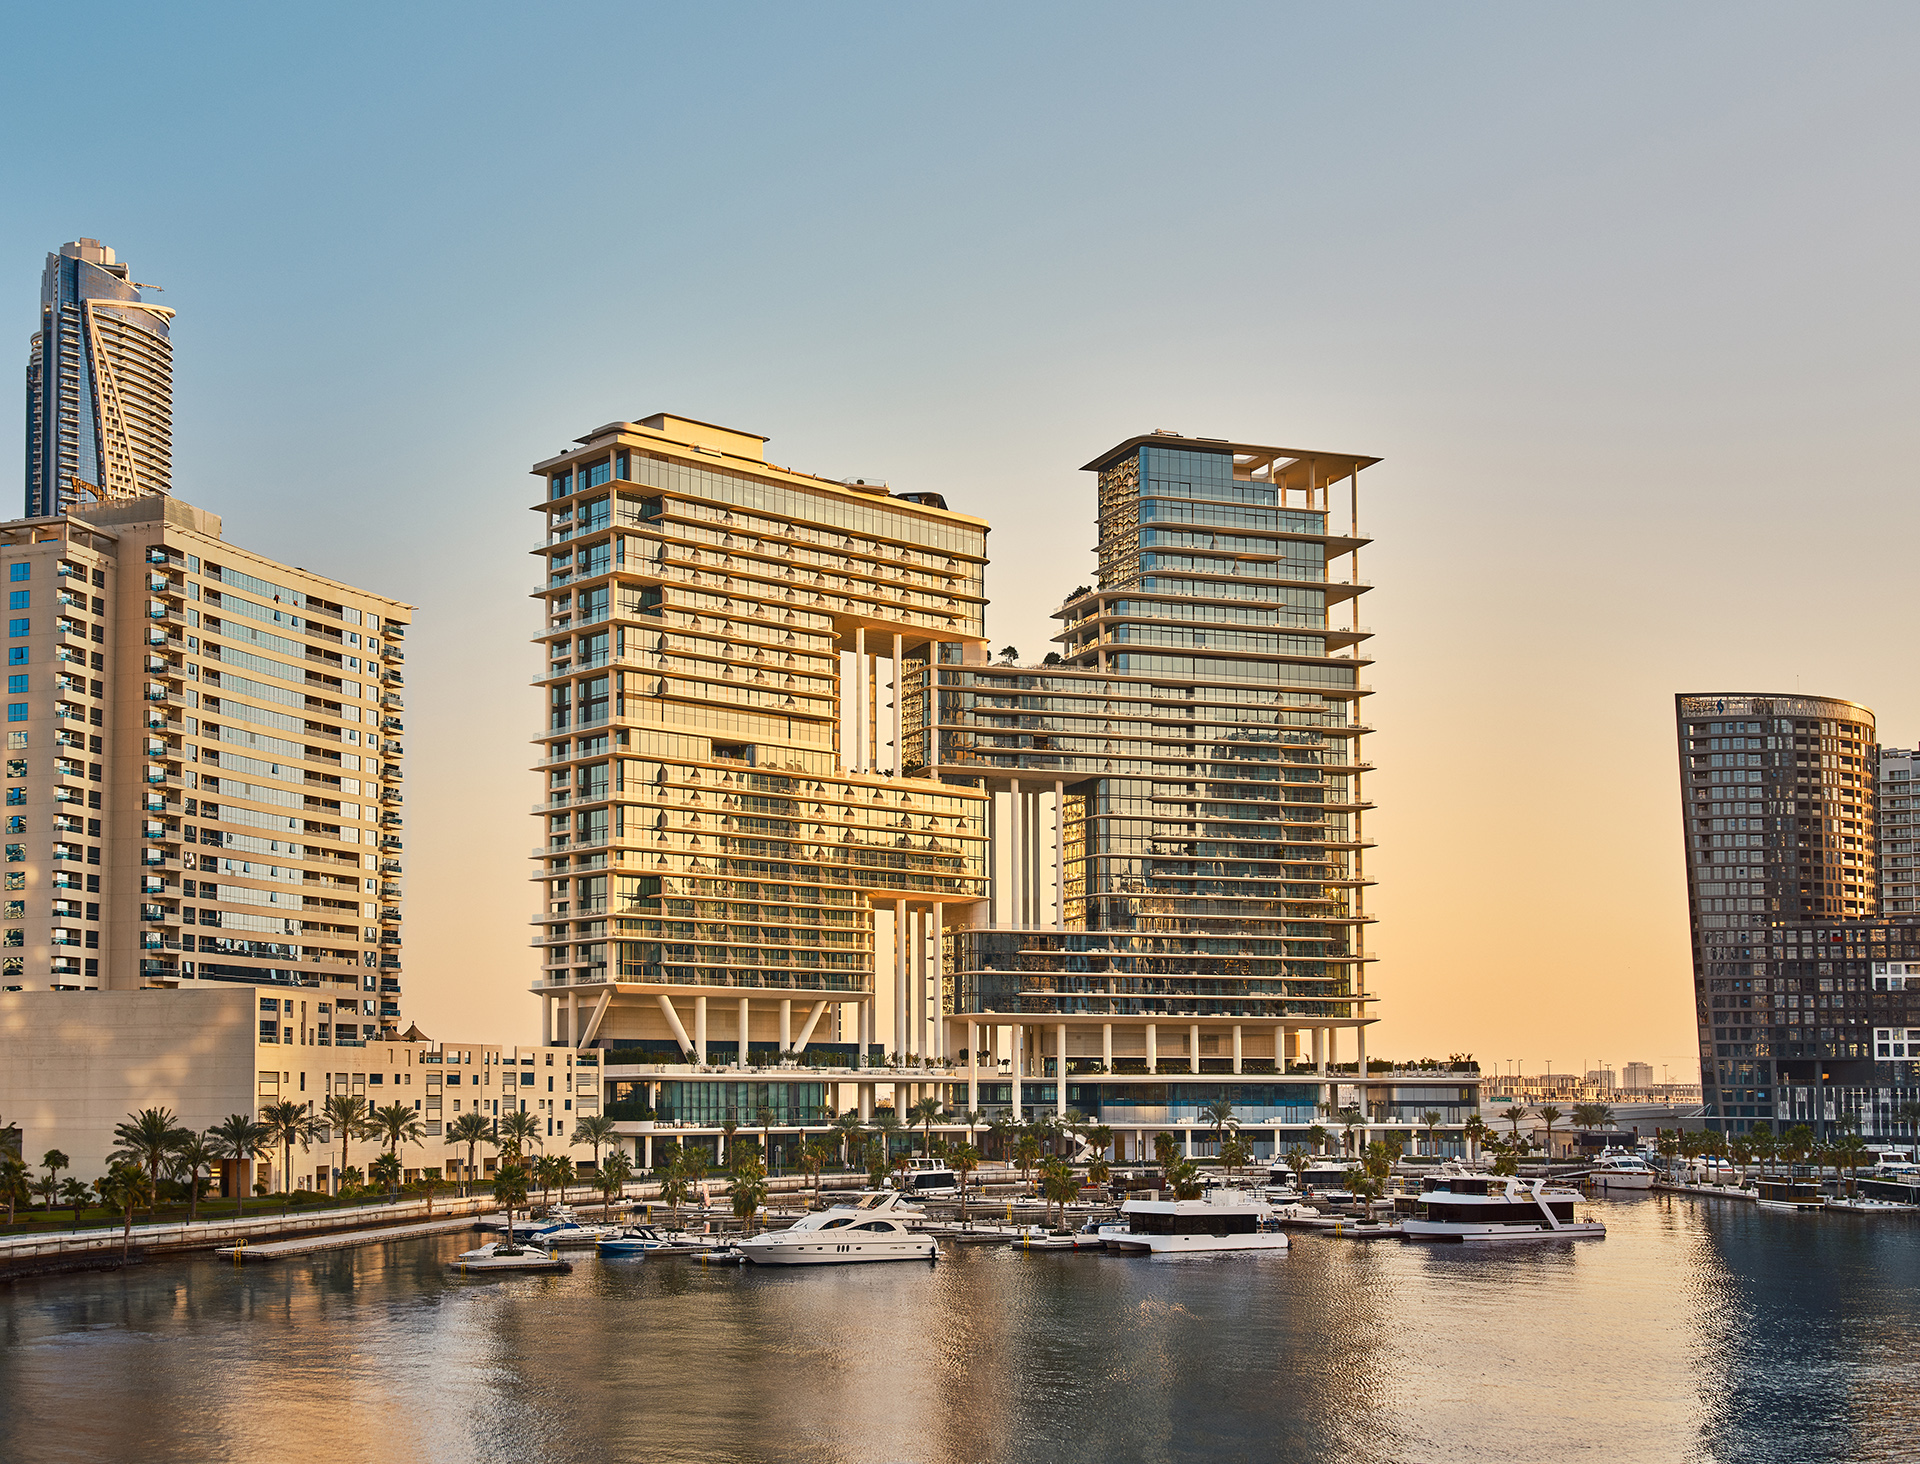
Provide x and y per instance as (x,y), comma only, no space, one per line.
(1212,784)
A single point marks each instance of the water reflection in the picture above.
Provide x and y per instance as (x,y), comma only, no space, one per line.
(1695,1331)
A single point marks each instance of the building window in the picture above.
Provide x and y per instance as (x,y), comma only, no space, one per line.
(18,627)
(16,655)
(20,571)
(19,599)
(17,685)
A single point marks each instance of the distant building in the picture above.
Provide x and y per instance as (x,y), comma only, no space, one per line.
(99,385)
(1778,806)
(1601,1080)
(1895,838)
(1637,1077)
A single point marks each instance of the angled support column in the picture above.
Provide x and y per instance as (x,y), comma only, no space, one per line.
(673,1023)
(813,1017)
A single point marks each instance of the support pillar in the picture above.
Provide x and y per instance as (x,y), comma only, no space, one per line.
(744,1029)
(899,686)
(858,761)
(1015,1035)
(546,1021)
(1153,1049)
(700,1029)
(1106,1046)
(973,1067)
(786,1024)
(647,1157)
(1238,1066)
(1059,855)
(900,1012)
(573,1019)
(1060,1069)
(1016,857)
(1193,1048)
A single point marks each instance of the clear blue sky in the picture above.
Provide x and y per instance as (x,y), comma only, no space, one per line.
(1624,295)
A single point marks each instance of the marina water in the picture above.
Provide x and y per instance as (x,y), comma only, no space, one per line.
(1697,1330)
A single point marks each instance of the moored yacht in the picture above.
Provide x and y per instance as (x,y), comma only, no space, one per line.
(929,1179)
(1620,1171)
(873,1227)
(495,1256)
(1791,1196)
(1493,1207)
(1221,1220)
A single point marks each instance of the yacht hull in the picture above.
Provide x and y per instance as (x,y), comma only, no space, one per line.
(812,1251)
(1183,1245)
(1447,1231)
(1600,1179)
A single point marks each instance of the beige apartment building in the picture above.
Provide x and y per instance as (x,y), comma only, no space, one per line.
(731,822)
(74,1064)
(204,759)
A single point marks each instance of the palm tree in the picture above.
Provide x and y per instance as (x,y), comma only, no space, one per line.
(394,1125)
(287,1123)
(1515,1112)
(240,1140)
(965,1159)
(1477,1132)
(1909,1114)
(387,1168)
(515,1132)
(473,1130)
(546,1174)
(848,1126)
(1317,1136)
(1235,1153)
(1185,1179)
(729,1127)
(1430,1121)
(875,1158)
(611,1178)
(124,1187)
(53,1161)
(1026,1153)
(350,1115)
(1549,1116)
(749,1191)
(192,1154)
(74,1194)
(14,1183)
(1058,1185)
(1219,1114)
(1298,1162)
(146,1138)
(925,1113)
(1849,1149)
(597,1130)
(510,1189)
(886,1123)
(763,1115)
(972,1118)
(675,1187)
(46,1187)
(428,1186)
(1166,1151)
(1101,1137)
(814,1157)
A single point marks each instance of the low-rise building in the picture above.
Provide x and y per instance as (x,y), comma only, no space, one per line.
(73,1064)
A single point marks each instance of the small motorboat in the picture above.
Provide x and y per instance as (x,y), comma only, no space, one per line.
(1091,1236)
(1041,1237)
(497,1256)
(640,1240)
(571,1233)
(1868,1205)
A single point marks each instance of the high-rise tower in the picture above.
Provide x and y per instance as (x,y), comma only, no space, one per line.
(99,385)
(1778,797)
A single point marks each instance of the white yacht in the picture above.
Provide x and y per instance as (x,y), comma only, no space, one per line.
(873,1227)
(1618,1171)
(929,1179)
(495,1256)
(1221,1220)
(1494,1207)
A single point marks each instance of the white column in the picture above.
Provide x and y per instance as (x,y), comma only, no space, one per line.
(1016,869)
(1015,1042)
(993,860)
(1236,1049)
(973,1066)
(1193,1048)
(1060,1069)
(858,762)
(899,685)
(937,982)
(923,1042)
(546,1020)
(1106,1046)
(1059,855)
(1280,1050)
(1153,1048)
(900,1008)
(744,1029)
(573,1019)
(786,1024)
(1320,1051)
(699,1029)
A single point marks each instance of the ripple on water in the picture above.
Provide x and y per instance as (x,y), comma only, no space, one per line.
(1695,1331)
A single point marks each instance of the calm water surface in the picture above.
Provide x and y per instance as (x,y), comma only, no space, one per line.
(1696,1331)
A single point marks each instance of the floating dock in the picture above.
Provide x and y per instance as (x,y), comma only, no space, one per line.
(281,1250)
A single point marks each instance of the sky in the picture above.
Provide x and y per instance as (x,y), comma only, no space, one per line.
(1623,296)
